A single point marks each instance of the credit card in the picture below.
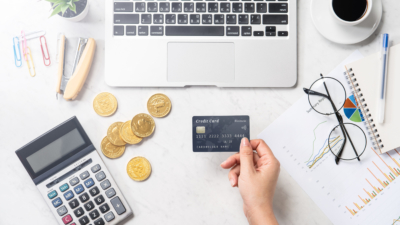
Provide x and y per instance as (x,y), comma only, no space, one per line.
(219,133)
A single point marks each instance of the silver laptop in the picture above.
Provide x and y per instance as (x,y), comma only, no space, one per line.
(178,43)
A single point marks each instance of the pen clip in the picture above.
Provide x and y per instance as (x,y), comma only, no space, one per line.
(17,53)
(45,59)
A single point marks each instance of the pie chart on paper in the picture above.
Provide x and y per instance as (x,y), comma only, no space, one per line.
(352,111)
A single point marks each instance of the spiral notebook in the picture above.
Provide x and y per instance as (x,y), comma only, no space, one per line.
(364,79)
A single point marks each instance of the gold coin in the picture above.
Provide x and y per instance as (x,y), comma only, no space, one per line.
(113,134)
(159,105)
(110,150)
(105,104)
(143,125)
(127,134)
(138,168)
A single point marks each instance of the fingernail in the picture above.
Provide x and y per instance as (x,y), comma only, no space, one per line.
(232,182)
(223,163)
(245,142)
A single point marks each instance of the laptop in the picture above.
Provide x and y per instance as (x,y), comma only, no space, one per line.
(178,43)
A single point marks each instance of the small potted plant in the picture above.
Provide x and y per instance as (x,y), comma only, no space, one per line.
(72,10)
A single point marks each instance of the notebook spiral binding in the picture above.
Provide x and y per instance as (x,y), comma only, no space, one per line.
(369,121)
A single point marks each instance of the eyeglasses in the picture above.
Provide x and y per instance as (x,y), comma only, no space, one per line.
(327,96)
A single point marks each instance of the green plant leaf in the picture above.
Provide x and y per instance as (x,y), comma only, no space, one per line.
(56,10)
(73,8)
(64,8)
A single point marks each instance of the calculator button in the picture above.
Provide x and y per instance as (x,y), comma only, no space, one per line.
(100,176)
(89,183)
(64,187)
(84,175)
(62,210)
(109,216)
(84,197)
(73,204)
(104,208)
(84,220)
(79,212)
(68,195)
(110,193)
(52,194)
(89,206)
(56,202)
(94,191)
(67,219)
(74,181)
(78,189)
(99,222)
(95,168)
(94,214)
(118,206)
(99,199)
(105,184)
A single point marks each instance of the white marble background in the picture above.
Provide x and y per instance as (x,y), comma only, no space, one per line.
(185,187)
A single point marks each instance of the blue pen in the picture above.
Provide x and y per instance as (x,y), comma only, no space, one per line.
(384,55)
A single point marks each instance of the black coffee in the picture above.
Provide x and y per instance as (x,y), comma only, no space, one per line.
(350,10)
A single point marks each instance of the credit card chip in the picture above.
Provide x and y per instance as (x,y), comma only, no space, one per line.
(201,130)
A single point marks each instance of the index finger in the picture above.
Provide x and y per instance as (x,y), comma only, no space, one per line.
(262,148)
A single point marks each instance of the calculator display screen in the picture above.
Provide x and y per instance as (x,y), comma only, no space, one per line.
(55,150)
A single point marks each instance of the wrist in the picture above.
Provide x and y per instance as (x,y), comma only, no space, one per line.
(261,215)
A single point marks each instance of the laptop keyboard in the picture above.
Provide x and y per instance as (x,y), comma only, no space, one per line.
(246,18)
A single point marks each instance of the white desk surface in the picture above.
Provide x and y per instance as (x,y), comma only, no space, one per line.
(185,187)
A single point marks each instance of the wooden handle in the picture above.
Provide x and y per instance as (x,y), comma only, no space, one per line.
(60,67)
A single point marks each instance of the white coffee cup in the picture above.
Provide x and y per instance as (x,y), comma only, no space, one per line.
(352,23)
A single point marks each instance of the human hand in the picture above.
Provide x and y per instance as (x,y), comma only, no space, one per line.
(256,175)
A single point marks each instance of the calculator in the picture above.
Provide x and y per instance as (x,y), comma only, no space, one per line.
(72,178)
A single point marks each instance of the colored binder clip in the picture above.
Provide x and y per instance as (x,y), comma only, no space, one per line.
(32,71)
(17,53)
(71,86)
(45,59)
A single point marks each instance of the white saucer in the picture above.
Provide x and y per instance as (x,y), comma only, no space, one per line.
(333,31)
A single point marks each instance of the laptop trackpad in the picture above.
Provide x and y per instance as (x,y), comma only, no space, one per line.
(201,62)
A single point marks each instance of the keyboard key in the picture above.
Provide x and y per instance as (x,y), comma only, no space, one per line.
(243,19)
(246,31)
(123,6)
(182,18)
(74,181)
(270,34)
(84,197)
(94,214)
(73,204)
(98,200)
(94,191)
(79,212)
(52,194)
(110,193)
(68,195)
(258,33)
(99,222)
(152,7)
(255,19)
(97,167)
(270,29)
(117,204)
(232,31)
(194,19)
(130,30)
(231,19)
(67,219)
(126,18)
(237,7)
(206,19)
(62,210)
(164,6)
(212,7)
(119,30)
(283,33)
(154,31)
(139,7)
(218,19)
(278,7)
(104,208)
(170,18)
(78,189)
(84,220)
(225,7)
(143,30)
(201,7)
(89,183)
(57,202)
(194,31)
(109,216)
(249,7)
(64,187)
(84,175)
(145,19)
(176,7)
(261,7)
(188,7)
(275,19)
(89,206)
(158,18)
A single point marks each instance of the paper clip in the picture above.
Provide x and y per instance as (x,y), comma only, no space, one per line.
(34,34)
(47,50)
(17,53)
(29,66)
(23,43)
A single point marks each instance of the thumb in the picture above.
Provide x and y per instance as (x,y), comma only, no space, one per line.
(246,157)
